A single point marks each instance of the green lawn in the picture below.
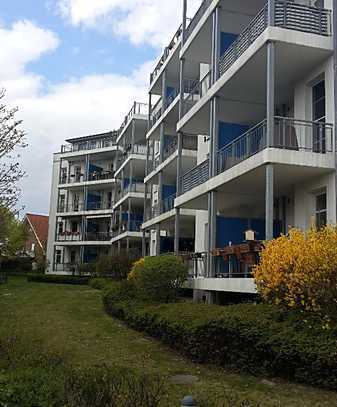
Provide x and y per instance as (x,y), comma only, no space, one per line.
(71,320)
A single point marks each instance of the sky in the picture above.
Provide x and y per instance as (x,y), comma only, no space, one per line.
(74,68)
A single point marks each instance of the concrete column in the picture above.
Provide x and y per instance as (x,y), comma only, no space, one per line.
(178,187)
(161,142)
(334,20)
(129,214)
(86,170)
(163,91)
(149,112)
(215,45)
(270,94)
(212,231)
(181,87)
(269,201)
(158,239)
(183,27)
(144,243)
(160,192)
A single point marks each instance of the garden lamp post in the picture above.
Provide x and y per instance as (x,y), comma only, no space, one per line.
(188,401)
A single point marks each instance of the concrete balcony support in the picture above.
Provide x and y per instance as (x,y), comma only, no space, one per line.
(269,201)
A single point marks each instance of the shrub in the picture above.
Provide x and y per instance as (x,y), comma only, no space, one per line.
(99,283)
(57,279)
(159,278)
(87,269)
(117,266)
(299,271)
(16,265)
(256,339)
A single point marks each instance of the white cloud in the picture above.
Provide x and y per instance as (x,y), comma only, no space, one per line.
(53,113)
(22,43)
(141,21)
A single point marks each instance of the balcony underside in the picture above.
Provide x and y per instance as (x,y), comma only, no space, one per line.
(243,185)
(103,184)
(242,88)
(238,285)
(137,200)
(133,236)
(167,220)
(138,166)
(101,153)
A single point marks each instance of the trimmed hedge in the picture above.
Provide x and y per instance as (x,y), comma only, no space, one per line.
(256,339)
(57,279)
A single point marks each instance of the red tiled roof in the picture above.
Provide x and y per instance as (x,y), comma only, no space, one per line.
(39,223)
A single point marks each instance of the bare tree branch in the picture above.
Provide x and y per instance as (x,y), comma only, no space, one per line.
(11,137)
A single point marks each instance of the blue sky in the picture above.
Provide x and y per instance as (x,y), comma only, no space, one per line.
(74,67)
(81,52)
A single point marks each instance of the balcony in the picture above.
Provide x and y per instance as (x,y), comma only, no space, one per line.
(288,15)
(86,237)
(134,226)
(80,207)
(290,134)
(159,109)
(138,109)
(167,52)
(88,145)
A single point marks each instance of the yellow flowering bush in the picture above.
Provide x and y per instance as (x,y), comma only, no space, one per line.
(300,271)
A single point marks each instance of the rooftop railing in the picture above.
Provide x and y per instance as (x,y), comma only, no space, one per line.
(166,54)
(197,17)
(88,145)
(138,109)
(287,14)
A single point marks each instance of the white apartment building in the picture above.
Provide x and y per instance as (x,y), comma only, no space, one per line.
(81,205)
(97,197)
(264,113)
(239,134)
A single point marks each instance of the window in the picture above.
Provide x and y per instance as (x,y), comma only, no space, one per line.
(60,228)
(319,117)
(321,211)
(62,200)
(74,227)
(58,256)
(72,257)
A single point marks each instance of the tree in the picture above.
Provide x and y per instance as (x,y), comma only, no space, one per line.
(13,233)
(11,137)
(298,271)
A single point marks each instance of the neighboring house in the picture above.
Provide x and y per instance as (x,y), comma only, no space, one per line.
(36,242)
(240,136)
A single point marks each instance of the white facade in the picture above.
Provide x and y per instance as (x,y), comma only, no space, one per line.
(239,134)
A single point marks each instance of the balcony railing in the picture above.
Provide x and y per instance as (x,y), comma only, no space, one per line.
(197,17)
(134,226)
(101,175)
(88,145)
(168,203)
(136,110)
(80,207)
(166,54)
(289,15)
(199,90)
(67,236)
(196,176)
(290,134)
(97,236)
